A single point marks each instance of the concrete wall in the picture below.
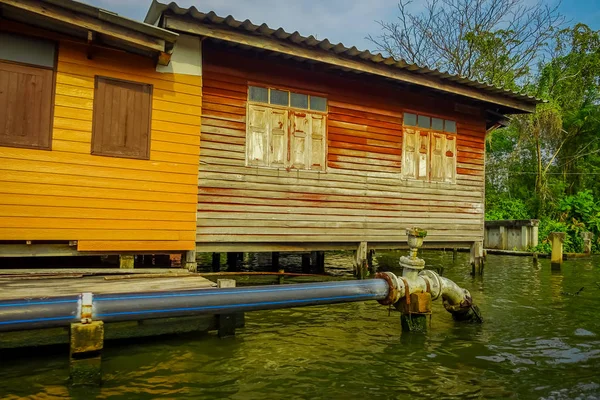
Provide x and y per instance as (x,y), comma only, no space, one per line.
(511,234)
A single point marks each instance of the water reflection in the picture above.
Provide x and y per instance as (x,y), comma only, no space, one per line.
(536,342)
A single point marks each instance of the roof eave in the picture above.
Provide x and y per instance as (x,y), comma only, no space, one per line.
(195,27)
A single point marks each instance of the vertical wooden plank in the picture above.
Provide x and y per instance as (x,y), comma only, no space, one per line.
(4,97)
(409,161)
(257,138)
(278,142)
(317,134)
(438,147)
(299,156)
(450,159)
(45,111)
(423,156)
(146,115)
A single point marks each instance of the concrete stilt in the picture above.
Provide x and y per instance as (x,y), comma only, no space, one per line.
(360,261)
(216,262)
(557,239)
(275,261)
(476,258)
(226,322)
(126,261)
(318,261)
(306,263)
(370,265)
(86,343)
(190,261)
(587,241)
(415,310)
(232,261)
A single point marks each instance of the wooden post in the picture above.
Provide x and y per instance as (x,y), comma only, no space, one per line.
(190,261)
(232,261)
(476,258)
(126,261)
(281,278)
(86,343)
(535,259)
(318,261)
(216,262)
(454,254)
(275,261)
(226,322)
(360,261)
(306,263)
(557,239)
(370,265)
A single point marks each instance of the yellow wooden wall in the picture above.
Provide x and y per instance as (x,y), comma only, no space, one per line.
(107,203)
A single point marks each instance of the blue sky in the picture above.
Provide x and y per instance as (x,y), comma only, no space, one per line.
(346,21)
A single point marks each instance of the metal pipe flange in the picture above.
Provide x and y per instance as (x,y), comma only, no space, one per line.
(396,288)
(435,283)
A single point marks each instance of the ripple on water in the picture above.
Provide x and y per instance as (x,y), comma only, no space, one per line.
(535,343)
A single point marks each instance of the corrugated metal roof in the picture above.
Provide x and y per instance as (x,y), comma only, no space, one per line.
(114,18)
(157,9)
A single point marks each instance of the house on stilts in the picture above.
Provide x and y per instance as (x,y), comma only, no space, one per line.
(256,140)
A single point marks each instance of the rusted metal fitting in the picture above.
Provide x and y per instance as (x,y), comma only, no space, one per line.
(86,307)
(395,291)
(432,280)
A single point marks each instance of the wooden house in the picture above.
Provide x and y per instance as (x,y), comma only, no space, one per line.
(308,145)
(99,132)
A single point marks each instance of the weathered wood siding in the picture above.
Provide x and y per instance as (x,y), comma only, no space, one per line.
(360,197)
(106,203)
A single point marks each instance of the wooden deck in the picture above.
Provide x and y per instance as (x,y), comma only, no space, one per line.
(15,285)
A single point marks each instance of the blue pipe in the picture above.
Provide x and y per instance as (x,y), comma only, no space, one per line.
(61,311)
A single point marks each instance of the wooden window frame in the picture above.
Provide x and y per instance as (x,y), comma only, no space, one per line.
(420,131)
(96,152)
(289,109)
(52,99)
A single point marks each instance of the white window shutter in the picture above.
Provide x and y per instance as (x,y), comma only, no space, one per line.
(423,155)
(257,138)
(409,149)
(450,159)
(300,135)
(318,124)
(278,146)
(438,158)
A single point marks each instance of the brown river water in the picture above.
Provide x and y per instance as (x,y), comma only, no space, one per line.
(538,341)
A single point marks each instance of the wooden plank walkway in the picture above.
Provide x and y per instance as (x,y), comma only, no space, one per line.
(64,284)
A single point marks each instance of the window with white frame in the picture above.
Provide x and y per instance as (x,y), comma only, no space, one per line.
(429,149)
(285,129)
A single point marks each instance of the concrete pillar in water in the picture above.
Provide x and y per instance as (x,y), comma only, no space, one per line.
(360,261)
(557,239)
(318,261)
(233,261)
(86,343)
(216,262)
(226,322)
(190,261)
(476,258)
(126,261)
(306,263)
(370,265)
(275,261)
(415,309)
(587,241)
